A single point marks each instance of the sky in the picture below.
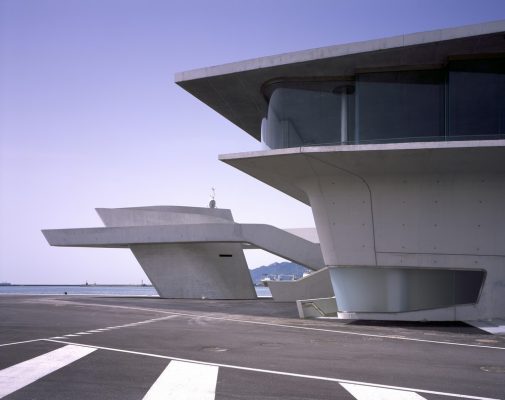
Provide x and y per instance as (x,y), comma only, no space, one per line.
(90,115)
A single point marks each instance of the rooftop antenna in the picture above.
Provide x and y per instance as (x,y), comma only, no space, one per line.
(212,202)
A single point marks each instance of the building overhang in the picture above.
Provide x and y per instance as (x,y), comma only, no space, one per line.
(284,169)
(235,90)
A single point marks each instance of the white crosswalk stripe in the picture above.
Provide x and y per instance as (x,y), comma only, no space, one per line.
(185,381)
(365,392)
(196,380)
(17,376)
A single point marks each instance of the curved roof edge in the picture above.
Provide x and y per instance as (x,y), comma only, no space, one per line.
(412,39)
(235,90)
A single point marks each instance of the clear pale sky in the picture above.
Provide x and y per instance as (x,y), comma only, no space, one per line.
(90,116)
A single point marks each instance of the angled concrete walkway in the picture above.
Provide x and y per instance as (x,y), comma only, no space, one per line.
(266,237)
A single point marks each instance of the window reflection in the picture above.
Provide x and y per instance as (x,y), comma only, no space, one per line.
(460,102)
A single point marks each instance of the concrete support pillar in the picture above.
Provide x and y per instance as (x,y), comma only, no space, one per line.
(343,116)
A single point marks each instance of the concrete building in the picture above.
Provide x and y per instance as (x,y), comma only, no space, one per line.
(398,145)
(192,252)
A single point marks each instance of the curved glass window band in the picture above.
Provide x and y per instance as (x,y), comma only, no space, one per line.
(461,102)
(299,117)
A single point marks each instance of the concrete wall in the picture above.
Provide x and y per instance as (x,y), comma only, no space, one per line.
(194,271)
(426,220)
(162,215)
(186,270)
(417,206)
(343,218)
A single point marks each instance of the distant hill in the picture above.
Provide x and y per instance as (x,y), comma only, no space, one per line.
(283,268)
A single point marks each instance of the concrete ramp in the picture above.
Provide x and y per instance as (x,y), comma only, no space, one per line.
(190,252)
(267,237)
(173,248)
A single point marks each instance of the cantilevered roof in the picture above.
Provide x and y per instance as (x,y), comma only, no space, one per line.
(288,169)
(235,90)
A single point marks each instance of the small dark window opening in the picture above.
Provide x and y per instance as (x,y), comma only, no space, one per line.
(225,255)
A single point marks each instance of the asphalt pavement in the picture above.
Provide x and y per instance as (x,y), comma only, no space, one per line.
(82,347)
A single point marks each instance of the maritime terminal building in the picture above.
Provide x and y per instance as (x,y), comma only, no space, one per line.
(398,146)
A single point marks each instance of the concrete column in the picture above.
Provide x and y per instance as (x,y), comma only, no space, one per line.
(343,116)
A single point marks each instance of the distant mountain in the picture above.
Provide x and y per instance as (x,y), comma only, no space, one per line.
(283,268)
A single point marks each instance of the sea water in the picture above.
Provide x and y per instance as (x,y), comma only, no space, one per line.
(96,290)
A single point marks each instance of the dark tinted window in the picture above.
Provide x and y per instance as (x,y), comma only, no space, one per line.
(476,98)
(393,105)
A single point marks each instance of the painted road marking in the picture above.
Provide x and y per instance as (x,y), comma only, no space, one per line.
(362,392)
(24,341)
(90,332)
(185,381)
(17,376)
(282,373)
(307,328)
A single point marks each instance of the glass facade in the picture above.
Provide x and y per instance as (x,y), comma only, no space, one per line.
(476,104)
(461,102)
(393,106)
(312,115)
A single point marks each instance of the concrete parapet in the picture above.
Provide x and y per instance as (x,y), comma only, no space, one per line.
(315,285)
(162,215)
